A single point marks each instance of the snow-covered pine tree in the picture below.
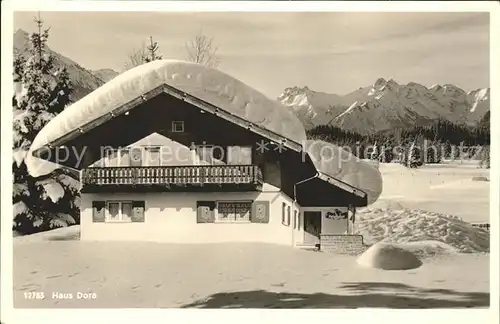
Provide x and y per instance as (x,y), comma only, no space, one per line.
(374,154)
(484,161)
(433,151)
(414,155)
(41,91)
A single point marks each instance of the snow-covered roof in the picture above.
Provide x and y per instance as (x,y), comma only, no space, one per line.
(207,84)
(334,161)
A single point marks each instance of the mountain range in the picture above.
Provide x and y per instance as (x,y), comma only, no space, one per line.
(84,81)
(381,106)
(387,104)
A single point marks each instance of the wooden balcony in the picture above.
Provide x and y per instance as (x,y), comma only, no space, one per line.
(172,178)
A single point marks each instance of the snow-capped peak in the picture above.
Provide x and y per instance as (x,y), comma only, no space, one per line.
(453,90)
(436,87)
(480,94)
(295,96)
(382,85)
(479,99)
(379,83)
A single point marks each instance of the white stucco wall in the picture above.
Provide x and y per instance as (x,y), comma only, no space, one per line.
(171,217)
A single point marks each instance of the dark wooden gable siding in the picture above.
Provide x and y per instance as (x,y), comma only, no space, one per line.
(319,193)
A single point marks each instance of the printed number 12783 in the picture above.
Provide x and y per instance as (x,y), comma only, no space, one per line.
(34,295)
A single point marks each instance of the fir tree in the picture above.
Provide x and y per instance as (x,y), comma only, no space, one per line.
(152,50)
(143,54)
(374,155)
(484,162)
(41,92)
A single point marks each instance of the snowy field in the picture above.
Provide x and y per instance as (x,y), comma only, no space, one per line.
(137,274)
(237,276)
(441,188)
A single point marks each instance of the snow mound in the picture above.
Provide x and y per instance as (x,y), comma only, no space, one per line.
(210,85)
(69,233)
(346,167)
(406,226)
(388,257)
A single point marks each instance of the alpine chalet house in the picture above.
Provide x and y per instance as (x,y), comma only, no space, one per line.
(177,152)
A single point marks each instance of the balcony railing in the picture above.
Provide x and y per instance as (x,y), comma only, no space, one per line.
(173,175)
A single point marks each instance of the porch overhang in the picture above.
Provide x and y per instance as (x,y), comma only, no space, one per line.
(323,190)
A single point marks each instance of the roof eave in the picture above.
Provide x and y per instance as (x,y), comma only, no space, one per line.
(325,177)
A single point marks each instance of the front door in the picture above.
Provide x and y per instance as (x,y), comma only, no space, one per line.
(312,227)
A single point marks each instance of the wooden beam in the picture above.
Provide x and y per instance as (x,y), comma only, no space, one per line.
(342,185)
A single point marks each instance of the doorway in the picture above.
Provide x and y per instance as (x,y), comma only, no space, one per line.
(312,227)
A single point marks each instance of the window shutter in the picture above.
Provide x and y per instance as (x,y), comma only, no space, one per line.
(205,212)
(260,212)
(138,211)
(98,208)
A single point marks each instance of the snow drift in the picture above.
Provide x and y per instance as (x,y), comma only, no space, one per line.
(346,167)
(388,257)
(408,227)
(70,233)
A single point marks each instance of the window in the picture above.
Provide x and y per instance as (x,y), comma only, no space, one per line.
(295,219)
(135,156)
(117,157)
(152,156)
(234,211)
(210,154)
(178,126)
(239,155)
(119,211)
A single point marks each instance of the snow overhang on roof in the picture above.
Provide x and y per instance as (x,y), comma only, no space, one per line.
(339,167)
(208,88)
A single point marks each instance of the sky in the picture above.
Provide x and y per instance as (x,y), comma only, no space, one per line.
(334,52)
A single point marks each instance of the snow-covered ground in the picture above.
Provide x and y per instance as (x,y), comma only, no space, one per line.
(139,274)
(236,276)
(442,188)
